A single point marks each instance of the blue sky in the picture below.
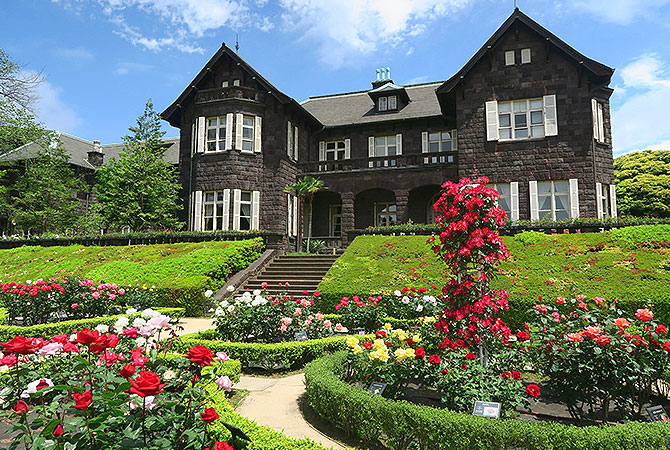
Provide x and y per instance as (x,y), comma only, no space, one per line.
(102,59)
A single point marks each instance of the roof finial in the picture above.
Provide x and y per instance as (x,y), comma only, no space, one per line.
(515,7)
(237,41)
(378,78)
(388,73)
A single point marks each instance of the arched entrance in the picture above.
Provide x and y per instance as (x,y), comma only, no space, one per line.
(375,207)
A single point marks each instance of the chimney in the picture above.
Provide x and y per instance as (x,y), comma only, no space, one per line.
(95,156)
(383,77)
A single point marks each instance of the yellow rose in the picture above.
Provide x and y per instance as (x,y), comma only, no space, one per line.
(357,349)
(379,344)
(387,326)
(416,338)
(352,341)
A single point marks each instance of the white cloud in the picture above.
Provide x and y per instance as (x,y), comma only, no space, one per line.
(126,67)
(52,111)
(640,121)
(77,54)
(621,12)
(342,29)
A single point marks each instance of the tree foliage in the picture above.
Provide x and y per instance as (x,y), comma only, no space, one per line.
(643,183)
(140,190)
(305,189)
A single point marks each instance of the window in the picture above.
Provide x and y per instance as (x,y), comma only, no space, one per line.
(444,141)
(598,121)
(335,150)
(553,200)
(216,134)
(385,146)
(505,200)
(521,119)
(603,196)
(335,220)
(245,210)
(509,58)
(236,82)
(387,103)
(385,214)
(289,140)
(430,210)
(224,84)
(525,55)
(213,211)
(247,133)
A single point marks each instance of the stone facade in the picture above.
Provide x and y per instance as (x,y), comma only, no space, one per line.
(409,180)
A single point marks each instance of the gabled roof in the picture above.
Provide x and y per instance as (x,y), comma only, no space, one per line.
(597,70)
(171,113)
(78,149)
(358,108)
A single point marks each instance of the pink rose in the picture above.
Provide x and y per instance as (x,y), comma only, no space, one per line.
(122,291)
(327,324)
(224,383)
(221,356)
(74,305)
(96,294)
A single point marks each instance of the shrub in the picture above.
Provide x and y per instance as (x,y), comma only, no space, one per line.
(530,237)
(651,235)
(399,425)
(315,245)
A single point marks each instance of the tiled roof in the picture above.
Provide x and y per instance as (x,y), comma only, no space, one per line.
(78,149)
(357,107)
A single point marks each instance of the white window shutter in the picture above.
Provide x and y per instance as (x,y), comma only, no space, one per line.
(492,132)
(296,147)
(322,151)
(424,142)
(194,140)
(613,210)
(239,119)
(601,123)
(289,141)
(255,210)
(289,214)
(197,211)
(295,215)
(534,202)
(514,200)
(257,135)
(201,131)
(229,131)
(237,194)
(594,114)
(550,117)
(347,149)
(191,208)
(226,209)
(398,144)
(599,200)
(371,147)
(574,198)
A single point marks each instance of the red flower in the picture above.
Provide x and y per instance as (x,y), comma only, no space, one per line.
(146,384)
(200,355)
(87,337)
(533,390)
(82,401)
(21,407)
(58,431)
(127,371)
(434,359)
(666,345)
(661,329)
(20,345)
(644,314)
(522,336)
(516,375)
(209,415)
(505,375)
(470,356)
(131,332)
(367,344)
(381,334)
(603,340)
(419,353)
(221,446)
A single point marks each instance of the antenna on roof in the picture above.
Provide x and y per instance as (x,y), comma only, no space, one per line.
(237,41)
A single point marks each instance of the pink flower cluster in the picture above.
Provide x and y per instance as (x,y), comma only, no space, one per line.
(31,289)
(108,290)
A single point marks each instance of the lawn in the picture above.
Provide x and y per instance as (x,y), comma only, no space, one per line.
(630,264)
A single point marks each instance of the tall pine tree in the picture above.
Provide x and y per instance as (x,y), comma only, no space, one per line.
(140,189)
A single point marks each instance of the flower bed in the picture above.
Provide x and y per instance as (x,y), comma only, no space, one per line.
(401,425)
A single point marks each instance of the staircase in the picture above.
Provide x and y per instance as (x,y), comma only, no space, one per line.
(302,272)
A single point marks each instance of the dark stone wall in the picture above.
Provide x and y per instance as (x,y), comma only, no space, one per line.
(568,155)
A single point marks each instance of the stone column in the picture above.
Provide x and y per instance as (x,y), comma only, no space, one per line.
(348,222)
(402,205)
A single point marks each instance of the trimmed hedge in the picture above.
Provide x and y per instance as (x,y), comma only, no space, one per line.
(631,264)
(402,425)
(292,354)
(68,326)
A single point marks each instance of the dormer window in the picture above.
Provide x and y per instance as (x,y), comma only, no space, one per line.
(388,103)
(383,103)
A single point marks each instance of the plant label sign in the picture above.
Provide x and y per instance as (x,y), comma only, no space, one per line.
(657,414)
(487,409)
(116,310)
(62,315)
(360,331)
(377,388)
(301,336)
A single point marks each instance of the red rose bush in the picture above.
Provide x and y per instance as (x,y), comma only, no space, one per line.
(111,388)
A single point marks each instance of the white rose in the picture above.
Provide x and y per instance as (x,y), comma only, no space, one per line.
(218,312)
(131,311)
(246,294)
(148,314)
(73,337)
(208,293)
(231,308)
(140,341)
(169,375)
(419,307)
(257,292)
(224,304)
(397,293)
(121,322)
(102,328)
(139,322)
(230,288)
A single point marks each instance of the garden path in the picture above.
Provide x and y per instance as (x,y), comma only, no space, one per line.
(276,403)
(195,324)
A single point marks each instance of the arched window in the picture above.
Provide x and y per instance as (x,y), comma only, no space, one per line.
(430,213)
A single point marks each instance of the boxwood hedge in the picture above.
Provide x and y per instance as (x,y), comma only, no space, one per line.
(402,425)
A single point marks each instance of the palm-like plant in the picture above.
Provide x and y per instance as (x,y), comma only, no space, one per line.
(304,189)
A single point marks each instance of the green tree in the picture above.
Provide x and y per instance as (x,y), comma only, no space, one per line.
(304,189)
(44,197)
(140,189)
(643,183)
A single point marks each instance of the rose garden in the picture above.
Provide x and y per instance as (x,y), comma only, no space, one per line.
(452,361)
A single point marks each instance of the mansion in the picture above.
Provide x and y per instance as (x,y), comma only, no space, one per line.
(527,110)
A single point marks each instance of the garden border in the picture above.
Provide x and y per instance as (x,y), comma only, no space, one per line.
(359,413)
(68,326)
